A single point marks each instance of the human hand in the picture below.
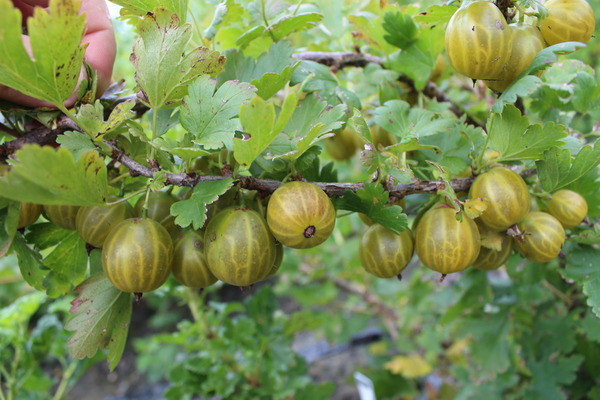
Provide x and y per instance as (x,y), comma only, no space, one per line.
(100,53)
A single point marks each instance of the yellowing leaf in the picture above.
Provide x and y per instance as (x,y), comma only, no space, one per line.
(456,353)
(378,349)
(474,207)
(490,238)
(412,366)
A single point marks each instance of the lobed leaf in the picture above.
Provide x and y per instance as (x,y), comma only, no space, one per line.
(52,71)
(258,121)
(400,28)
(193,210)
(211,114)
(269,73)
(558,169)
(101,315)
(372,201)
(142,7)
(403,121)
(67,265)
(45,175)
(511,135)
(30,263)
(163,68)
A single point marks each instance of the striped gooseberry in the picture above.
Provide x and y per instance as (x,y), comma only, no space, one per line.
(94,223)
(189,265)
(496,248)
(62,215)
(568,207)
(527,41)
(568,20)
(159,209)
(278,260)
(542,237)
(28,214)
(478,42)
(506,195)
(300,215)
(445,244)
(342,145)
(384,253)
(238,246)
(137,255)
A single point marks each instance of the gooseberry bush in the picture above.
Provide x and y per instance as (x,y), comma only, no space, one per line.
(314,152)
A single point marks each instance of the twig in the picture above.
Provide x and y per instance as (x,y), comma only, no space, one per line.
(339,60)
(41,135)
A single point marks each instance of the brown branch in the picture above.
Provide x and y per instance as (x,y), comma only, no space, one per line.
(267,186)
(44,135)
(339,60)
(41,135)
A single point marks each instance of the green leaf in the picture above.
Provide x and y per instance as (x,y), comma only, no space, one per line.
(490,348)
(142,7)
(45,235)
(313,120)
(312,391)
(67,263)
(558,169)
(511,135)
(101,315)
(193,210)
(77,142)
(51,74)
(253,33)
(372,200)
(549,377)
(403,121)
(587,186)
(271,82)
(418,60)
(314,77)
(294,23)
(45,175)
(163,69)
(90,117)
(270,73)
(583,268)
(436,15)
(19,313)
(258,121)
(32,269)
(542,60)
(400,28)
(211,116)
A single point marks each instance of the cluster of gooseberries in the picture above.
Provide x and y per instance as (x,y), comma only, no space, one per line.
(446,244)
(482,45)
(239,245)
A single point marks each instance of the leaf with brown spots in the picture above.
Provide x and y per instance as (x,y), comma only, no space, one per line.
(163,69)
(52,71)
(101,316)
